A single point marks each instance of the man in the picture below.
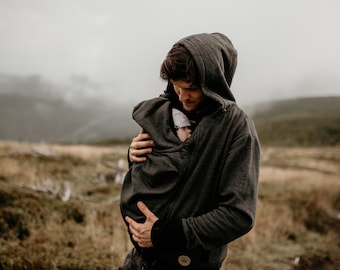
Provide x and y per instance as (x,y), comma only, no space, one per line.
(183,202)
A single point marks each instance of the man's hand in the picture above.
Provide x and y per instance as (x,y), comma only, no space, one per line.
(141,232)
(140,146)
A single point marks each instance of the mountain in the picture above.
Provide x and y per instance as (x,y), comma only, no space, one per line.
(31,110)
(311,121)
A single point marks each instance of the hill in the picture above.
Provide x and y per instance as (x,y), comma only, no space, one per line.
(34,110)
(36,119)
(299,122)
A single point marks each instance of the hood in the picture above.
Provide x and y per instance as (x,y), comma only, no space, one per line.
(216,61)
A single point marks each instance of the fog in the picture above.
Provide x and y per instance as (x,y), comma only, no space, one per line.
(286,49)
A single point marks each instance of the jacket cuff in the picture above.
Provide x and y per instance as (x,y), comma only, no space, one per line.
(169,235)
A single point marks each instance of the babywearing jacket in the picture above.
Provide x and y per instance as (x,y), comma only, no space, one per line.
(209,181)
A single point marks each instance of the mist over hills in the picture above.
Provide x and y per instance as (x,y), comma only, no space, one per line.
(34,110)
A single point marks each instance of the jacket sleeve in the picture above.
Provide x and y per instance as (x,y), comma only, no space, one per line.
(234,214)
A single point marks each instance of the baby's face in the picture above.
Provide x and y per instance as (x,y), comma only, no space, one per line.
(184,133)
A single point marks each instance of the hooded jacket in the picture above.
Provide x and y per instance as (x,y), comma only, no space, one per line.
(209,181)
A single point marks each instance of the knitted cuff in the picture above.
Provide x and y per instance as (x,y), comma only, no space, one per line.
(169,235)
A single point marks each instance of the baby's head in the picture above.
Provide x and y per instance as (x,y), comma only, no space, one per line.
(182,124)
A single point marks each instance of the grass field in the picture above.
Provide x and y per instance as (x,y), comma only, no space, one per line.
(59,209)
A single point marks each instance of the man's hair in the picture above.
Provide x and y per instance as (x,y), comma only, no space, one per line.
(179,65)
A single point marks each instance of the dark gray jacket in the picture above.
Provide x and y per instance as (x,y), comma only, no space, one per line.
(209,181)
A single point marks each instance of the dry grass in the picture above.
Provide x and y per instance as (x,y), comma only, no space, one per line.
(298,216)
(297,224)
(40,231)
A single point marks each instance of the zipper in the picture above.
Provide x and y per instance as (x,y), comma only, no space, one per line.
(190,152)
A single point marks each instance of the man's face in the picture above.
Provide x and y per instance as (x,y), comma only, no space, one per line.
(189,95)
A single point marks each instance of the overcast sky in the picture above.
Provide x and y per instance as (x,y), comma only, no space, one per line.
(287,48)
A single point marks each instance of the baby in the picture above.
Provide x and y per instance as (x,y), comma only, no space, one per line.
(162,172)
(182,124)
